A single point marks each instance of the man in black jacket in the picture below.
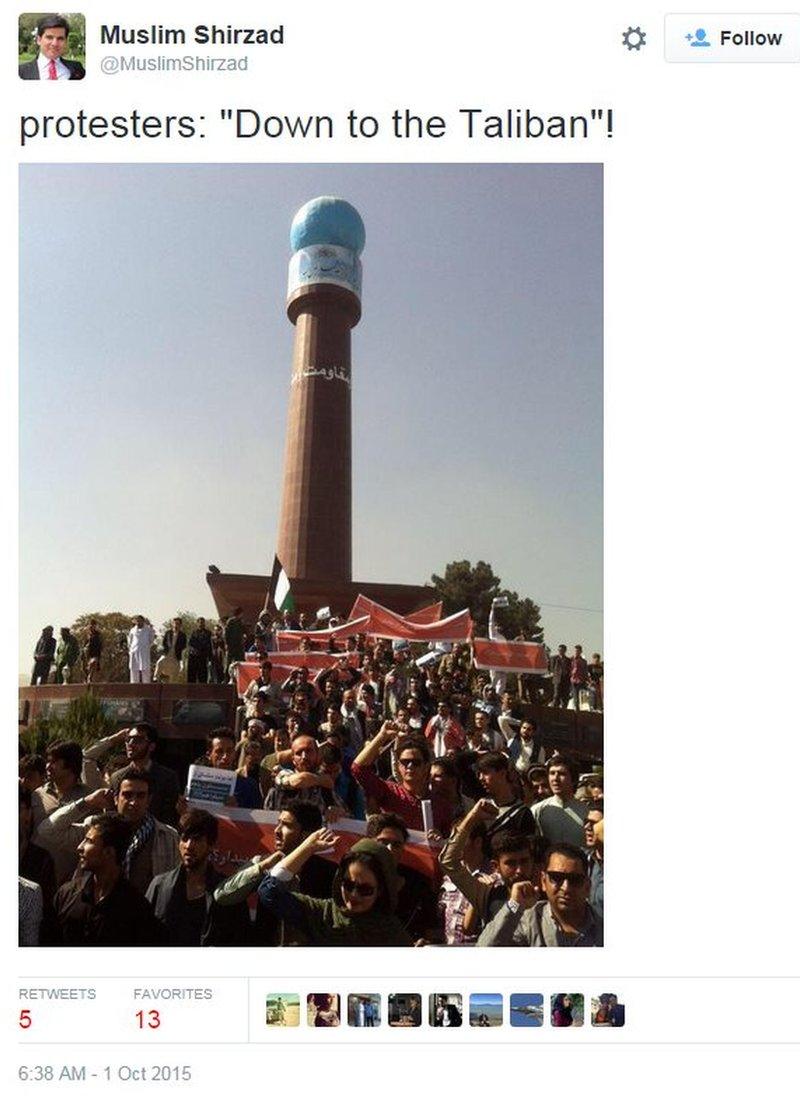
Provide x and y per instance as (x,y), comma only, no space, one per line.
(140,744)
(43,656)
(52,38)
(100,908)
(183,899)
(199,654)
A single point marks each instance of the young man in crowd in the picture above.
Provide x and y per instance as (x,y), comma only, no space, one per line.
(560,668)
(522,749)
(43,657)
(512,861)
(63,767)
(559,819)
(537,787)
(99,907)
(32,772)
(92,652)
(221,754)
(443,732)
(446,783)
(183,899)
(353,720)
(153,848)
(404,798)
(593,845)
(416,901)
(234,638)
(262,687)
(140,743)
(68,654)
(578,676)
(564,919)
(457,915)
(296,821)
(513,816)
(199,653)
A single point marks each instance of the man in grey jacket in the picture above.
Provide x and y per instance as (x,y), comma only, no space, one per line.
(565,919)
(153,848)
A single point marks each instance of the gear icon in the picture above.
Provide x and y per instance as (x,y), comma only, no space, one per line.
(634,38)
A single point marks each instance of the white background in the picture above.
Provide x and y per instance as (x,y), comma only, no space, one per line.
(701,359)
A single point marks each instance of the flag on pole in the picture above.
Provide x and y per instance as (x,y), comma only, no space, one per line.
(280,593)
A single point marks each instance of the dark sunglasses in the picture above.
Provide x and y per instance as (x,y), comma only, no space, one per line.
(360,889)
(558,878)
(411,762)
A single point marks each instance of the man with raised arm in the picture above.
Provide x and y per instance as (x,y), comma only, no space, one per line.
(406,797)
(564,919)
(303,779)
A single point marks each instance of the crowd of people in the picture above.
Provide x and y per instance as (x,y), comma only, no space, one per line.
(425,750)
(208,654)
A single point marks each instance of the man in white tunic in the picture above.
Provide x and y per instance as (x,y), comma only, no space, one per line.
(141,637)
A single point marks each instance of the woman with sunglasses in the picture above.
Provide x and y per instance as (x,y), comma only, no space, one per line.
(361,909)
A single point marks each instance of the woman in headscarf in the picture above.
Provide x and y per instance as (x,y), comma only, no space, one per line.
(361,909)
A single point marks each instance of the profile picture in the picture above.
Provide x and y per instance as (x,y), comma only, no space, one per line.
(283,1010)
(526,1010)
(364,1010)
(405,1010)
(566,1010)
(445,1010)
(485,1009)
(607,1011)
(322,1010)
(52,46)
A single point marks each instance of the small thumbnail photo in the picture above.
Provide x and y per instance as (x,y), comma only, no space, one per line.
(283,1010)
(527,1010)
(566,1010)
(51,47)
(405,1010)
(364,1009)
(322,1010)
(607,1011)
(485,1009)
(445,1010)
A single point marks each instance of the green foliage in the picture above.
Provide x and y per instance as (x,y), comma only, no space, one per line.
(84,721)
(475,587)
(189,622)
(27,35)
(114,627)
(37,736)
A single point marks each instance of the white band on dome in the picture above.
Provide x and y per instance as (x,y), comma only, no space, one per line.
(325,263)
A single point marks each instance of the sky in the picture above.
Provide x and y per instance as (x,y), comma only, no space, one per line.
(155,358)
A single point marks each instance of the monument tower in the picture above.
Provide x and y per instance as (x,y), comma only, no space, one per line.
(315,537)
(324,304)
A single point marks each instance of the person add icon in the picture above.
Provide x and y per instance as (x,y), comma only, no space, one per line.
(700,38)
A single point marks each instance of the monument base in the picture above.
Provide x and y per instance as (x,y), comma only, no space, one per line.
(232,590)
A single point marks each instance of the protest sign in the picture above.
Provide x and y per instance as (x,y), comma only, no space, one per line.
(209,784)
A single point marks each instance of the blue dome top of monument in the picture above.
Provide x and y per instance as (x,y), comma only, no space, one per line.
(328,220)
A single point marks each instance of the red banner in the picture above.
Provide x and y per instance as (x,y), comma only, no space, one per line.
(387,624)
(430,614)
(523,657)
(288,639)
(247,833)
(247,671)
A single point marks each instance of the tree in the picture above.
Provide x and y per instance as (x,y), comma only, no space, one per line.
(114,627)
(475,587)
(189,622)
(84,721)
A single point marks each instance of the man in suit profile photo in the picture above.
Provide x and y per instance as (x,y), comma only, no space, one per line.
(52,39)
